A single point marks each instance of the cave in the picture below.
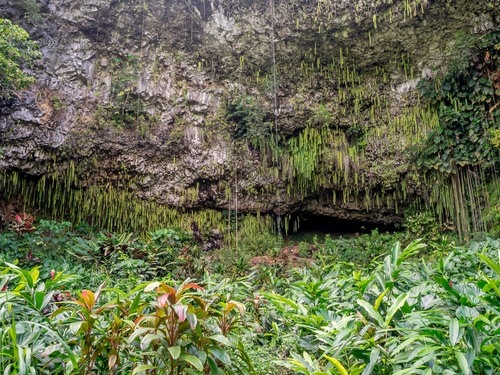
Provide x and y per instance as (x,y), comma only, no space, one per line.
(310,225)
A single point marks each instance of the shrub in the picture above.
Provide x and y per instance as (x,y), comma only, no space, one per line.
(23,225)
(422,225)
(16,52)
(362,249)
(248,117)
(303,249)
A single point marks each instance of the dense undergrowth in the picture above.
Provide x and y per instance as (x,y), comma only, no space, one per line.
(79,301)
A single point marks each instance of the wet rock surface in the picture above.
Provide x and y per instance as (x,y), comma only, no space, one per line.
(194,56)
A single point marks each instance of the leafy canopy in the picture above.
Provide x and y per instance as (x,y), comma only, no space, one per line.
(16,53)
(465,99)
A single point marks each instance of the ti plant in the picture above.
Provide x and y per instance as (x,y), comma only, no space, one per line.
(178,336)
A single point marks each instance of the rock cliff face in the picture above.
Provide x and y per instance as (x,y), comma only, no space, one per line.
(172,101)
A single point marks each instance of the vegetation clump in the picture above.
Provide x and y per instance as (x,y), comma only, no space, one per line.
(16,53)
(248,118)
(69,306)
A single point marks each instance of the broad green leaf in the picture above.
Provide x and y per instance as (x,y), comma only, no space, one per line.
(396,305)
(370,310)
(405,344)
(301,361)
(190,371)
(23,369)
(57,336)
(395,253)
(446,285)
(146,340)
(379,299)
(221,339)
(34,274)
(135,303)
(142,368)
(39,297)
(388,268)
(220,354)
(337,365)
(493,285)
(462,362)
(192,360)
(357,370)
(491,263)
(373,361)
(276,329)
(454,331)
(75,326)
(175,351)
(214,369)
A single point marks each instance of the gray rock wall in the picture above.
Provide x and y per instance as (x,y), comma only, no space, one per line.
(194,57)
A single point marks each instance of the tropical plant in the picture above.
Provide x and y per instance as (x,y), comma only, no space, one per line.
(23,225)
(27,334)
(249,119)
(177,335)
(16,53)
(393,319)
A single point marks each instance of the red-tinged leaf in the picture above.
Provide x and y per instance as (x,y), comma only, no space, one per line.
(108,305)
(181,311)
(99,290)
(89,298)
(163,299)
(199,301)
(232,304)
(164,288)
(138,320)
(82,304)
(112,361)
(194,286)
(193,320)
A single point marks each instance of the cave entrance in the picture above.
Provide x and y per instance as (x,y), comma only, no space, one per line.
(310,226)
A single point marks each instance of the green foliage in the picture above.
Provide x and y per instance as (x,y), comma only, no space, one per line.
(268,83)
(357,134)
(304,250)
(397,317)
(465,98)
(492,213)
(183,329)
(122,255)
(177,132)
(32,9)
(58,104)
(16,52)
(361,249)
(321,116)
(249,117)
(422,225)
(386,317)
(264,242)
(126,109)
